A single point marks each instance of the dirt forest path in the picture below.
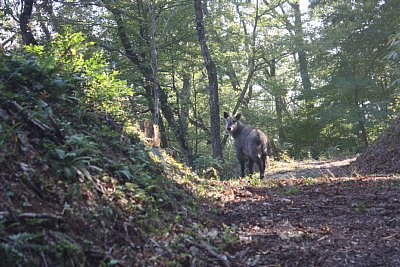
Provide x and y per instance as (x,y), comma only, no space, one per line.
(315,214)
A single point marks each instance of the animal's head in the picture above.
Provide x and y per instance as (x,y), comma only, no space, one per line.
(231,122)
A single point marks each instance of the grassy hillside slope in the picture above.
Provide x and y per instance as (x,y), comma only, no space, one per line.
(76,191)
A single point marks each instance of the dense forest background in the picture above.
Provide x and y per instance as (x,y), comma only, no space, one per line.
(320,77)
(112,143)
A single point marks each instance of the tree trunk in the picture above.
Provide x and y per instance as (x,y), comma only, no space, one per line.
(360,127)
(147,73)
(184,102)
(163,133)
(169,116)
(41,20)
(149,99)
(212,82)
(302,56)
(279,106)
(154,67)
(153,59)
(24,20)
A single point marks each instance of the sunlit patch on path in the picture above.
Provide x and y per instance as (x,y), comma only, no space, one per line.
(311,218)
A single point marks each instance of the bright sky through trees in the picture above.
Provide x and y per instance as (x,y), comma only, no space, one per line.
(304,5)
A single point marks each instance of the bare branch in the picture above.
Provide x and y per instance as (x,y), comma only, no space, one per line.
(29,215)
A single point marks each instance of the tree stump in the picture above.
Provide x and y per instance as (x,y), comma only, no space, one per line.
(151,132)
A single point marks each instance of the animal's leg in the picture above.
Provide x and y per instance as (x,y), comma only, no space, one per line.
(241,167)
(257,160)
(264,164)
(241,159)
(251,162)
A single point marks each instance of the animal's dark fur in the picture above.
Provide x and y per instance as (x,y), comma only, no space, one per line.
(251,144)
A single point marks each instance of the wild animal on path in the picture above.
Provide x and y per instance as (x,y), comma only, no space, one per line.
(251,144)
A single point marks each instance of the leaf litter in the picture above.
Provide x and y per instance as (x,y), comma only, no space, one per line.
(321,213)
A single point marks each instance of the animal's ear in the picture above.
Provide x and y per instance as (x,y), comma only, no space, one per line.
(238,116)
(226,115)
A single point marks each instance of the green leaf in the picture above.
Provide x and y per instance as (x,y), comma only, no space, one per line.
(124,173)
(131,186)
(60,153)
(69,172)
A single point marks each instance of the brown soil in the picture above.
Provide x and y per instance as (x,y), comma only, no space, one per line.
(383,155)
(318,215)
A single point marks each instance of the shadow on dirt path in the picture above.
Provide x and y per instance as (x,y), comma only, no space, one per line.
(329,220)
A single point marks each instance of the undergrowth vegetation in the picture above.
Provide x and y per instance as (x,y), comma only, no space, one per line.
(77,190)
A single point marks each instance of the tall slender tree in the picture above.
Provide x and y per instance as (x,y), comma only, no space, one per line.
(212,83)
(24,22)
(138,60)
(300,50)
(154,68)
